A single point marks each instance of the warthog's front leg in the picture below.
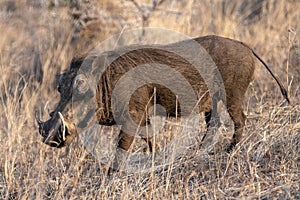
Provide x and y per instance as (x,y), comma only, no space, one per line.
(124,143)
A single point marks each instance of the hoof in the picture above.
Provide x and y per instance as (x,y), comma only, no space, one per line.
(230,147)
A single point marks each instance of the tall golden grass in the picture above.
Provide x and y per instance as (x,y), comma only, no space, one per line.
(35,34)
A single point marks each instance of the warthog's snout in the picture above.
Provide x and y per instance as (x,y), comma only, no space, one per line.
(54,130)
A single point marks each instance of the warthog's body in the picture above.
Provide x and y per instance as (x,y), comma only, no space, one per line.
(234,60)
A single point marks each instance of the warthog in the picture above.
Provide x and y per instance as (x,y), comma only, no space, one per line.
(234,60)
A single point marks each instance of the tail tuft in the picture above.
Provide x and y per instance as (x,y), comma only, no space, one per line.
(285,94)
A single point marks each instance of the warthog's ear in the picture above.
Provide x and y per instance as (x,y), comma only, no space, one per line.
(58,78)
(76,62)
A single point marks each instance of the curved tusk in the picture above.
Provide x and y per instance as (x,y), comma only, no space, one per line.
(64,126)
(38,119)
(47,140)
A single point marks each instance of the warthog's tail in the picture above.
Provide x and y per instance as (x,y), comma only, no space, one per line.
(283,90)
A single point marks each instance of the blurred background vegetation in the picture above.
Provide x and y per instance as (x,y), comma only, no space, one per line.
(38,38)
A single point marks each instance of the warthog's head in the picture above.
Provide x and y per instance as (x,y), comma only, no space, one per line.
(60,129)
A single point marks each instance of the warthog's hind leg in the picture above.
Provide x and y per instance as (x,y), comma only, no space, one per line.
(212,120)
(238,117)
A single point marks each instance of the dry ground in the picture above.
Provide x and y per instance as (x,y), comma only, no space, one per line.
(38,39)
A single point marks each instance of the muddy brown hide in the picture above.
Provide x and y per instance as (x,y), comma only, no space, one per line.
(234,60)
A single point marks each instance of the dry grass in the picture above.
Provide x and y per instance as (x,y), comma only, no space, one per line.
(264,166)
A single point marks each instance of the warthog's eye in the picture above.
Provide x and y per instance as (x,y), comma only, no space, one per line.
(80,84)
